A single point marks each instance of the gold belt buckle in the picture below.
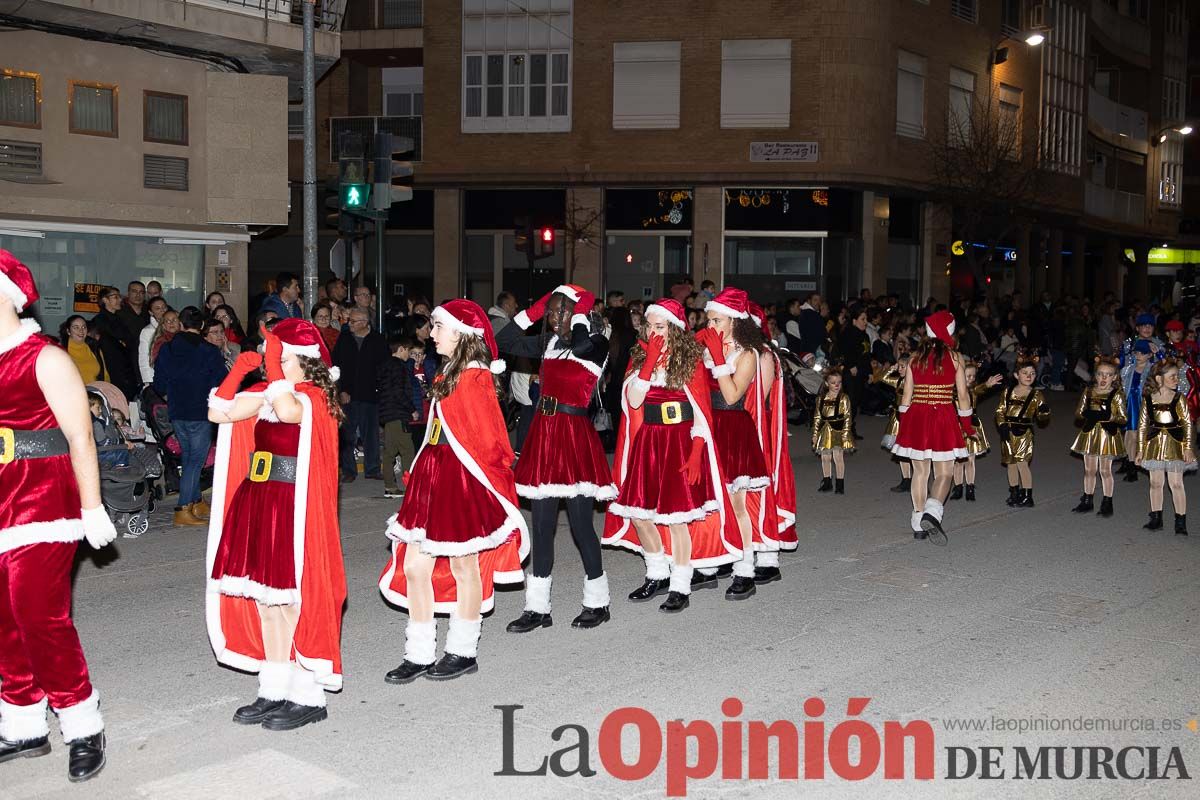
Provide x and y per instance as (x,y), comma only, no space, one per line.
(672,413)
(549,405)
(260,466)
(8,446)
(435,431)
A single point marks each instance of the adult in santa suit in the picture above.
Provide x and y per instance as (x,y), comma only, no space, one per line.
(458,530)
(562,459)
(276,584)
(672,505)
(49,500)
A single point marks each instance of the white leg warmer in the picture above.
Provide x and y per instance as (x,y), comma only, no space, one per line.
(463,637)
(915,521)
(768,558)
(273,680)
(537,594)
(707,572)
(23,723)
(744,567)
(595,592)
(420,642)
(304,689)
(934,508)
(658,566)
(681,579)
(81,720)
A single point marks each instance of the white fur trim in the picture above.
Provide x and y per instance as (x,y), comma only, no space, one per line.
(725,369)
(19,298)
(273,680)
(59,530)
(23,723)
(497,367)
(724,310)
(930,455)
(743,483)
(642,384)
(334,373)
(965,412)
(454,323)
(523,321)
(744,568)
(310,350)
(443,607)
(244,587)
(567,291)
(81,720)
(656,309)
(914,521)
(768,558)
(222,404)
(901,409)
(267,412)
(419,537)
(757,320)
(581,319)
(674,518)
(462,638)
(697,432)
(277,389)
(934,508)
(595,592)
(565,354)
(420,642)
(537,594)
(582,489)
(15,339)
(681,579)
(658,566)
(303,688)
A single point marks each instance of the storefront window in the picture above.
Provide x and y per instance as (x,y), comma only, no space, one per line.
(903,273)
(636,264)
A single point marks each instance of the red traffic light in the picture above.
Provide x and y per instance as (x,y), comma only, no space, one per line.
(545,242)
(547,234)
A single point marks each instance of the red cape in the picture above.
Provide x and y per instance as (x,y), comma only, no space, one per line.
(773,431)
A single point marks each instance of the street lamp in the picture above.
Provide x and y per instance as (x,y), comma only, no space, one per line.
(1032,37)
(1161,136)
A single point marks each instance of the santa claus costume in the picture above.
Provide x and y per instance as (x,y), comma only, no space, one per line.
(51,499)
(458,530)
(672,505)
(562,460)
(276,583)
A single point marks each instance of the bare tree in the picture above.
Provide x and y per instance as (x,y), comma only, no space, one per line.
(580,229)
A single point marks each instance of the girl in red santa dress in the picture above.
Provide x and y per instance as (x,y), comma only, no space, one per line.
(276,583)
(562,459)
(458,530)
(933,423)
(672,505)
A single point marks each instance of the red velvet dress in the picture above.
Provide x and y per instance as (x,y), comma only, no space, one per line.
(930,429)
(736,439)
(256,557)
(655,488)
(562,456)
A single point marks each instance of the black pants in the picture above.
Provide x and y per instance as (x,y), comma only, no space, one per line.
(545,523)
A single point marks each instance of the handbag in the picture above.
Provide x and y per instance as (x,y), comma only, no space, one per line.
(601,420)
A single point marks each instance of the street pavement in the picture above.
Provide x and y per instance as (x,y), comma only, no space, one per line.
(1035,614)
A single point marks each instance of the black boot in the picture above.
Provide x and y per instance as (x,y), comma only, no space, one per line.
(839,486)
(1181,524)
(529,621)
(1155,523)
(651,588)
(86,757)
(29,748)
(826,485)
(1085,503)
(956,493)
(1014,495)
(1106,509)
(256,712)
(1126,467)
(1026,499)
(904,486)
(740,589)
(591,617)
(702,581)
(1131,475)
(725,570)
(407,672)
(291,716)
(675,602)
(970,493)
(764,575)
(450,666)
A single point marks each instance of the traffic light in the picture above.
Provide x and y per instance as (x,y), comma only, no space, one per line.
(353,189)
(545,242)
(387,171)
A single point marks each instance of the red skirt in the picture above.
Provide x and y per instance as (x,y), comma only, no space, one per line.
(930,432)
(256,557)
(655,487)
(446,510)
(562,457)
(738,451)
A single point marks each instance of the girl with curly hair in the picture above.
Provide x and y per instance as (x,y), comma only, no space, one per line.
(1101,415)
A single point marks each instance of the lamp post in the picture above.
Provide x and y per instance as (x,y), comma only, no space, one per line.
(1161,136)
(1033,37)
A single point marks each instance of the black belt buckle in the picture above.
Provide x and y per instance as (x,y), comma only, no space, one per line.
(548,405)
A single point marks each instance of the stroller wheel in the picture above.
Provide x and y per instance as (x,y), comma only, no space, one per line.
(136,525)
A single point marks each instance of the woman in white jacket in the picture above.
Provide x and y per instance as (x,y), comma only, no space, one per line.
(158,307)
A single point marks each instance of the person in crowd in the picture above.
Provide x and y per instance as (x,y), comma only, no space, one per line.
(214,334)
(158,308)
(336,291)
(808,335)
(358,354)
(1021,408)
(682,289)
(503,311)
(1108,329)
(1101,416)
(322,317)
(134,314)
(233,326)
(364,299)
(186,370)
(276,582)
(614,299)
(1144,325)
(708,290)
(211,303)
(1166,443)
(977,443)
(832,431)
(892,379)
(153,289)
(285,300)
(695,320)
(1134,379)
(253,340)
(120,357)
(397,412)
(107,436)
(621,341)
(83,350)
(166,330)
(854,349)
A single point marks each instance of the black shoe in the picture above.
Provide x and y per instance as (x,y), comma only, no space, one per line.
(529,621)
(1131,476)
(377,477)
(702,581)
(256,712)
(970,493)
(1014,495)
(591,618)
(725,570)
(1126,467)
(347,478)
(904,486)
(1026,499)
(450,666)
(30,748)
(839,486)
(1086,504)
(1155,523)
(765,575)
(675,602)
(956,493)
(826,485)
(291,715)
(407,672)
(1181,524)
(1106,509)
(652,588)
(740,589)
(933,529)
(920,535)
(86,757)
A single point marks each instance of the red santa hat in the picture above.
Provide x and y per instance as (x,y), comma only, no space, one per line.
(941,325)
(571,292)
(16,282)
(760,318)
(301,337)
(668,310)
(730,303)
(469,319)
(1175,325)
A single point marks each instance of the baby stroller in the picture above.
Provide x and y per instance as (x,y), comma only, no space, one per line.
(802,377)
(158,421)
(126,483)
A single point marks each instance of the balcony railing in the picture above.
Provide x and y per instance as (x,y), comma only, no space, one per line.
(1127,32)
(1116,118)
(366,127)
(327,14)
(1113,204)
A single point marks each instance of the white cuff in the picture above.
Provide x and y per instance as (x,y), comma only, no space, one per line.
(641,383)
(724,369)
(581,319)
(81,720)
(273,680)
(303,688)
(23,723)
(223,404)
(523,321)
(94,516)
(462,637)
(681,579)
(901,409)
(595,592)
(697,431)
(277,389)
(965,412)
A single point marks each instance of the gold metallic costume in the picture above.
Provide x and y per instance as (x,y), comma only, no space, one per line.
(893,380)
(1102,419)
(1165,430)
(832,426)
(977,444)
(1015,418)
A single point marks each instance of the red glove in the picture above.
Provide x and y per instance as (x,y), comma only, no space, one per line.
(585,303)
(538,309)
(711,340)
(653,349)
(968,427)
(691,470)
(245,364)
(272,357)
(404,476)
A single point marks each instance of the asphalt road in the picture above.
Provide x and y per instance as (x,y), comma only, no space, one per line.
(1027,617)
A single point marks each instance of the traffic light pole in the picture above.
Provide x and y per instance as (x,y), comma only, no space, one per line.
(309,284)
(380,262)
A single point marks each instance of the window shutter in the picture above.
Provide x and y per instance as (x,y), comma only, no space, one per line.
(756,83)
(910,95)
(646,85)
(165,172)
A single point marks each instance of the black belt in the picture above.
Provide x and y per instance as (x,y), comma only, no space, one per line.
(550,406)
(1016,427)
(16,444)
(1175,431)
(719,404)
(672,413)
(266,466)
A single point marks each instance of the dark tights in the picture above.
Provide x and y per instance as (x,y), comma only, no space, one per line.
(545,522)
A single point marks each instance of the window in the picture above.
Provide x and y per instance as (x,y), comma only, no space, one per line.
(965,10)
(1008,133)
(20,99)
(93,108)
(1172,108)
(1010,17)
(165,118)
(960,107)
(296,121)
(1064,89)
(756,83)
(400,13)
(910,95)
(1170,184)
(646,85)
(404,103)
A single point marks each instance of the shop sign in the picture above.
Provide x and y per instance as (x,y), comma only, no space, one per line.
(800,286)
(53,305)
(806,152)
(87,297)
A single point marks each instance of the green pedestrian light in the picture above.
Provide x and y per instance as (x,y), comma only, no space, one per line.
(355,195)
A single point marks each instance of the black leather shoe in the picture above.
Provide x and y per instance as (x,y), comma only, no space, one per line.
(1085,504)
(826,485)
(675,602)
(702,581)
(957,492)
(1025,500)
(591,617)
(764,575)
(904,486)
(933,529)
(256,712)
(839,486)
(407,672)
(348,478)
(450,666)
(1155,523)
(1106,509)
(291,715)
(740,589)
(86,758)
(1014,496)
(1181,525)
(30,748)
(920,535)
(970,493)
(725,570)
(529,621)
(652,588)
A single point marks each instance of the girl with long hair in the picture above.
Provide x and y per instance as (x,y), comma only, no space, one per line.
(977,443)
(234,331)
(1101,416)
(1165,437)
(833,431)
(73,335)
(1021,408)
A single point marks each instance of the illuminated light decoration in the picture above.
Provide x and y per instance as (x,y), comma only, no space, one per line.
(820,197)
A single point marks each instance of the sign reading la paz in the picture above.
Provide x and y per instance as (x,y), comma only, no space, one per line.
(784,151)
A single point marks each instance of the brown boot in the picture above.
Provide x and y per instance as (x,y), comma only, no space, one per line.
(185,517)
(201,510)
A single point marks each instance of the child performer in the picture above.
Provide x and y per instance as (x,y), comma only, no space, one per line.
(833,431)
(1165,442)
(1021,408)
(1101,416)
(459,529)
(977,443)
(893,378)
(1133,379)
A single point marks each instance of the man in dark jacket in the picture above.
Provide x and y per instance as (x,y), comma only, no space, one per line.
(855,348)
(117,343)
(810,326)
(186,370)
(134,313)
(397,411)
(359,352)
